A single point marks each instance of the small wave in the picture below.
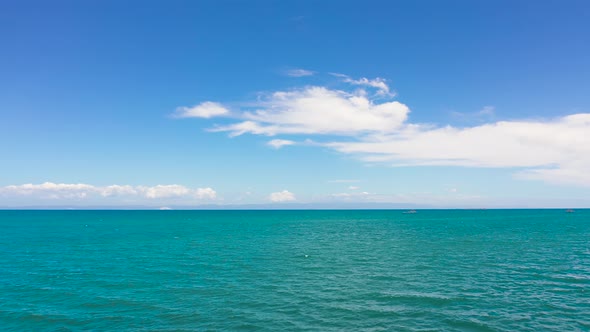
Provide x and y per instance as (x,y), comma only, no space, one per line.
(419,296)
(469,325)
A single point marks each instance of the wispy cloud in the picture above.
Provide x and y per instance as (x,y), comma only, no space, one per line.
(378,83)
(279,143)
(357,195)
(485,114)
(203,110)
(487,110)
(299,72)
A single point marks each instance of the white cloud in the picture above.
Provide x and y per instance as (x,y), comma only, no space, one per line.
(164,191)
(378,83)
(206,193)
(203,110)
(375,130)
(558,149)
(282,196)
(117,190)
(299,72)
(279,143)
(353,188)
(50,190)
(318,110)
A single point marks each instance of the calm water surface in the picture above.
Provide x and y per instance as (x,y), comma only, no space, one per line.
(487,270)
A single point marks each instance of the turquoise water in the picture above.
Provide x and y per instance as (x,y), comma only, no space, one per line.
(486,270)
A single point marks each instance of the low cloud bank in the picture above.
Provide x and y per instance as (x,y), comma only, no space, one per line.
(50,190)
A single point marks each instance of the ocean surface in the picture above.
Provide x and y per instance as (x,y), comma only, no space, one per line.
(435,270)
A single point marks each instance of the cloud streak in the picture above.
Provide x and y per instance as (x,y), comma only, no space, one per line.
(299,72)
(279,143)
(205,110)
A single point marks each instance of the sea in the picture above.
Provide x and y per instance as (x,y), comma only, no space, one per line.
(304,270)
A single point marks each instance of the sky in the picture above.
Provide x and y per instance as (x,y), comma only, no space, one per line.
(273,104)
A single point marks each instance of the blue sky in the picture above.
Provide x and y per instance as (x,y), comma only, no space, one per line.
(153,103)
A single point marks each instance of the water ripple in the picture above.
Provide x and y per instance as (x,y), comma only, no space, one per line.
(525,270)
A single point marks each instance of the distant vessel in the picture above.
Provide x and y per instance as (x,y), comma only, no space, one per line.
(410,211)
(569,211)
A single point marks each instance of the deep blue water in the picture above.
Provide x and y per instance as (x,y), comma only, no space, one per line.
(445,270)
